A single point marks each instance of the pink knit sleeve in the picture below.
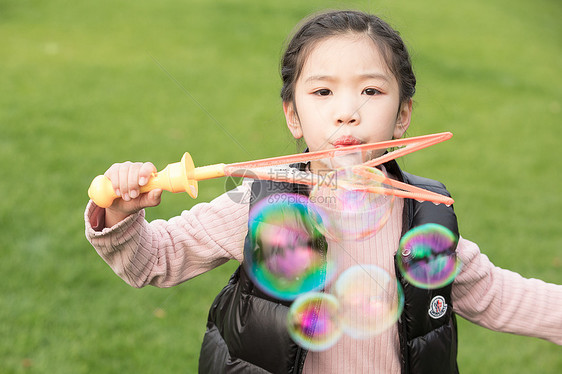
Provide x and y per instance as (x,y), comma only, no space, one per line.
(503,300)
(166,253)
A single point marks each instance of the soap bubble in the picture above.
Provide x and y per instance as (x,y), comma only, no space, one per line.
(427,258)
(370,300)
(285,253)
(313,321)
(343,158)
(353,201)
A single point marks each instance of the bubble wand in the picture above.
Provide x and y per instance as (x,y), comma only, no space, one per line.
(183,176)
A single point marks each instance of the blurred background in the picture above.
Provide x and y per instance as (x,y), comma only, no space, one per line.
(86,84)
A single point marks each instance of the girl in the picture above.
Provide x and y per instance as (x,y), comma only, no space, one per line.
(347,79)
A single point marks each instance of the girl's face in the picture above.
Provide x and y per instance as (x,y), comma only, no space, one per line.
(346,95)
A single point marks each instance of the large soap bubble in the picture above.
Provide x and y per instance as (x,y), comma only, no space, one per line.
(371,300)
(313,321)
(285,254)
(427,257)
(354,201)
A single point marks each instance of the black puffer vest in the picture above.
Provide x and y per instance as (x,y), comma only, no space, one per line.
(246,329)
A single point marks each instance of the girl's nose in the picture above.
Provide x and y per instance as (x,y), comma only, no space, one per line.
(348,113)
(348,120)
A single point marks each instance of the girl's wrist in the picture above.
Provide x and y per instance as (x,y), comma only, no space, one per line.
(113,216)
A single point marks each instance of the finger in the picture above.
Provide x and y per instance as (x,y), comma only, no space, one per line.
(153,198)
(145,173)
(133,180)
(124,180)
(113,175)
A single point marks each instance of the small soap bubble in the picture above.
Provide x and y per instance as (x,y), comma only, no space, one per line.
(354,202)
(313,321)
(285,253)
(426,256)
(371,300)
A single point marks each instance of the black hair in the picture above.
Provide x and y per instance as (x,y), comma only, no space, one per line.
(339,22)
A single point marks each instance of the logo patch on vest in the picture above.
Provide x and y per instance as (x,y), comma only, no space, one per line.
(437,307)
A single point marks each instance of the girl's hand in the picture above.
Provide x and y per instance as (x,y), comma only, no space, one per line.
(127,178)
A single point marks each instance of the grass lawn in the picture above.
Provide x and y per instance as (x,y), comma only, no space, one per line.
(86,84)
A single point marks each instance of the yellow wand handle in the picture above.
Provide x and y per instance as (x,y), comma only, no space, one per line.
(177,177)
(101,191)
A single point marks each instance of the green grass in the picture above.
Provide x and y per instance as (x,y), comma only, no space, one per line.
(86,84)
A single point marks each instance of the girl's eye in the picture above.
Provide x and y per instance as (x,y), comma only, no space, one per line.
(323,92)
(371,91)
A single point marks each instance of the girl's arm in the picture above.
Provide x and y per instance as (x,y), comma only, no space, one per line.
(166,253)
(503,300)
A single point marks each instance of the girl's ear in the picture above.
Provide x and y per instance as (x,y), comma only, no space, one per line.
(403,119)
(292,119)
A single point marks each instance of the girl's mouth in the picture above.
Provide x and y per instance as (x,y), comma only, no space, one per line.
(346,141)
